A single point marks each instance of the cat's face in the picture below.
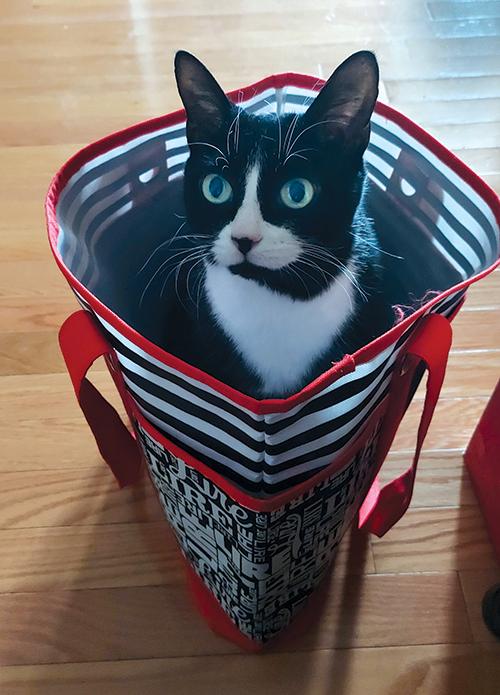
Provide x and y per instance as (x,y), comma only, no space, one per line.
(276,196)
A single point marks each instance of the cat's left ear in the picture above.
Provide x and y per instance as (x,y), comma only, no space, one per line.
(343,108)
(207,107)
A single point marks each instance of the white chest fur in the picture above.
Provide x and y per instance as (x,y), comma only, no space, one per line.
(278,337)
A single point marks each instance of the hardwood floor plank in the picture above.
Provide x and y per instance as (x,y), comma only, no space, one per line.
(451,428)
(73,497)
(478,329)
(453,135)
(403,91)
(435,540)
(485,294)
(28,315)
(457,111)
(88,557)
(471,373)
(141,622)
(437,670)
(482,161)
(48,444)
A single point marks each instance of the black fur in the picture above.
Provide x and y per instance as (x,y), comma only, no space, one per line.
(325,146)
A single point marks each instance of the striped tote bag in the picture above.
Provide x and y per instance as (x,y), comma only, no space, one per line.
(260,492)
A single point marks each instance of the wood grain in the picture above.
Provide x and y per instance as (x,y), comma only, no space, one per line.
(92,595)
(159,621)
(438,539)
(439,669)
(73,497)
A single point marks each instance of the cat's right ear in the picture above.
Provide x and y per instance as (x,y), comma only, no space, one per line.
(207,107)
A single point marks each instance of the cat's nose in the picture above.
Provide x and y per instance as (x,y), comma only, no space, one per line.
(244,244)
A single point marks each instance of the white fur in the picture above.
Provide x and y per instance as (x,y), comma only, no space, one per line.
(275,247)
(278,337)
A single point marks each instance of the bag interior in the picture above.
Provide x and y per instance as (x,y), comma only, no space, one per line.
(118,209)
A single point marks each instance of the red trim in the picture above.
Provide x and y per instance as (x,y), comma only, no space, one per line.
(364,354)
(257,504)
(213,613)
(431,344)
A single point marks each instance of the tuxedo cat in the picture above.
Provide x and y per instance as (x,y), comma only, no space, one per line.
(288,272)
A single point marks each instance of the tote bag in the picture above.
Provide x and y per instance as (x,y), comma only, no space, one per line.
(260,492)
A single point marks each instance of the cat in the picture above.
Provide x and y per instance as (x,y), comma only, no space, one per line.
(289,272)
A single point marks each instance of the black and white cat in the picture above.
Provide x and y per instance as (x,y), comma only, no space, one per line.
(291,272)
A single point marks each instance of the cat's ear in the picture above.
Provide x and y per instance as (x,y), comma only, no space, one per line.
(343,108)
(207,107)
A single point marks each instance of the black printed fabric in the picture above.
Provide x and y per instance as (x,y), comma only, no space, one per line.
(260,566)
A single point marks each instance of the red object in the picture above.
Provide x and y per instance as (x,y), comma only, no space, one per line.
(82,343)
(383,508)
(254,561)
(482,459)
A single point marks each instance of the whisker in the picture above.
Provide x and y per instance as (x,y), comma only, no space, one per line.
(374,246)
(228,147)
(165,264)
(166,242)
(327,256)
(192,257)
(309,265)
(201,260)
(176,285)
(207,144)
(289,132)
(158,270)
(297,275)
(337,279)
(201,285)
(314,125)
(296,154)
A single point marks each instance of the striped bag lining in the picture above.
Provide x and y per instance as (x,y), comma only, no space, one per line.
(268,453)
(260,453)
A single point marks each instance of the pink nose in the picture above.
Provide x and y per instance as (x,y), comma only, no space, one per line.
(244,244)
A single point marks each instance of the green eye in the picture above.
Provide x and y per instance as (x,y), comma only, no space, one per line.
(216,189)
(297,193)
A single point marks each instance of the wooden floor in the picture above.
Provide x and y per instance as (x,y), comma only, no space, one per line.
(92,595)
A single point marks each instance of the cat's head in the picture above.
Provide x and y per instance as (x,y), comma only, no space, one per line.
(277,194)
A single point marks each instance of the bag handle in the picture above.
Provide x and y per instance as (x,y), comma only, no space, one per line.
(382,508)
(81,344)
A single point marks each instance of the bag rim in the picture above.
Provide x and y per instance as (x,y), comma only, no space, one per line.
(349,362)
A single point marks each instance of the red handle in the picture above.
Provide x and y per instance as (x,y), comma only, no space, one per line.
(382,508)
(81,344)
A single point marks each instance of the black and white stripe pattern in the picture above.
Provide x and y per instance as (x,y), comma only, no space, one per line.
(268,453)
(262,453)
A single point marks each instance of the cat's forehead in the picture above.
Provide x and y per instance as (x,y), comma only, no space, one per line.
(262,137)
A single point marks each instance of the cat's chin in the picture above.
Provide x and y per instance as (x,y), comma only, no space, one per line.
(247,270)
(279,280)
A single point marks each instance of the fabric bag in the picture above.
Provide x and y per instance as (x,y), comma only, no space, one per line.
(260,492)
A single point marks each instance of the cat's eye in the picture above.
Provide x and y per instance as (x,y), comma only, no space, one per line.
(297,193)
(216,189)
